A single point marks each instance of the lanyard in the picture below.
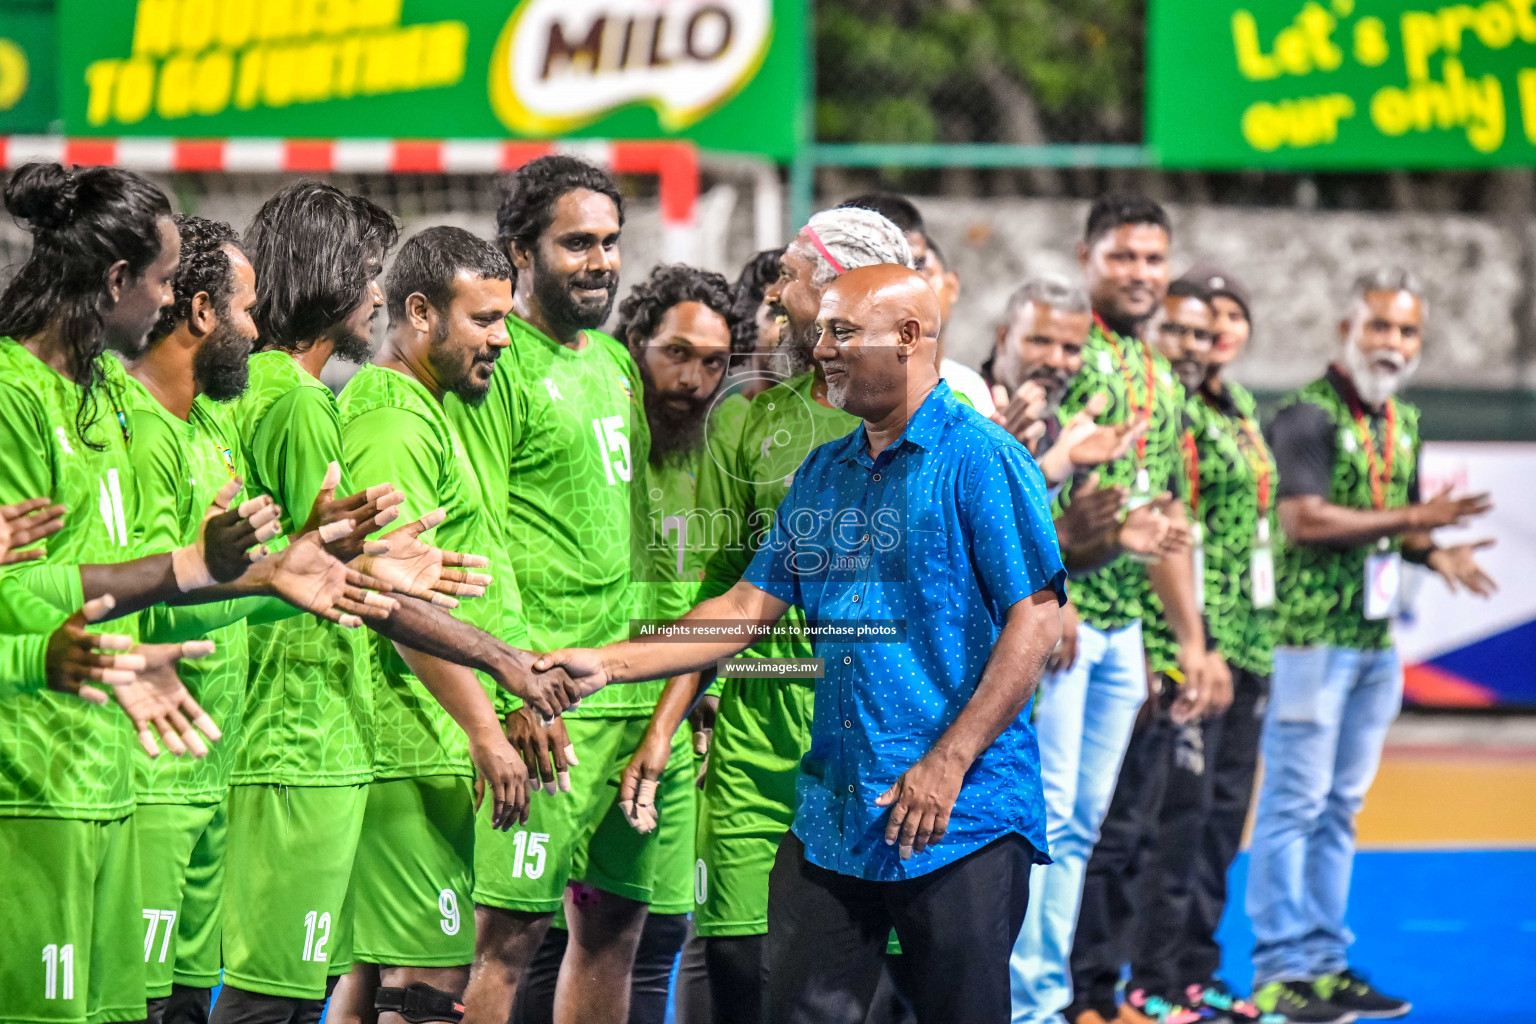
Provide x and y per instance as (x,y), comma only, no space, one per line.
(1258,458)
(1378,469)
(1192,467)
(1136,411)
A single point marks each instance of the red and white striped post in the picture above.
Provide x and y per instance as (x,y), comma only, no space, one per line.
(675,164)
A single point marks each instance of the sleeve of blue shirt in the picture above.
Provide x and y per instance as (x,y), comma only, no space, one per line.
(771,570)
(1008,530)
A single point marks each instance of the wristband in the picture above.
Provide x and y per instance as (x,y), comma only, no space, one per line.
(190,569)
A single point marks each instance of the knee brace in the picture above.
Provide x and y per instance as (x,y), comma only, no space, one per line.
(420,1003)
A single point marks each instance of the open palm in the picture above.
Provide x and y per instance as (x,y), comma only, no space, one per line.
(309,578)
(403,561)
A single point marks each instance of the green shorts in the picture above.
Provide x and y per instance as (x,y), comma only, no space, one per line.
(72,942)
(199,929)
(762,730)
(168,833)
(676,806)
(286,923)
(677,820)
(581,831)
(414,872)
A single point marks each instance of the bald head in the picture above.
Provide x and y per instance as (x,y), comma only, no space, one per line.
(878,334)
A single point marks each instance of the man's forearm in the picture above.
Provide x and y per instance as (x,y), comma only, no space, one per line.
(739,614)
(133,585)
(457,690)
(677,699)
(1321,522)
(1173,580)
(1007,682)
(426,628)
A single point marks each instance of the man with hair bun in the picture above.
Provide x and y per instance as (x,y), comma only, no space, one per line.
(102,268)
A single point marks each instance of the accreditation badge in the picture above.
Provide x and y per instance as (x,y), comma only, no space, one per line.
(1141,494)
(1261,571)
(1197,547)
(1383,582)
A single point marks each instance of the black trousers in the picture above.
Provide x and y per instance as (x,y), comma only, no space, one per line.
(827,935)
(1190,955)
(1156,884)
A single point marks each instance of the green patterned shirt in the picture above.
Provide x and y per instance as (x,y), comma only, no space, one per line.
(394,429)
(310,701)
(1118,594)
(59,756)
(561,440)
(1232,458)
(180,465)
(1321,589)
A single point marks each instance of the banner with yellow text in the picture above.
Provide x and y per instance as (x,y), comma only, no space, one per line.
(1342,84)
(724,73)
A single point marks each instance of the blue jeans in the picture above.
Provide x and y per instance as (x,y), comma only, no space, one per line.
(1329,709)
(1084,725)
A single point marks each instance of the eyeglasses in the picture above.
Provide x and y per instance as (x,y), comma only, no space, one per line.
(1182,331)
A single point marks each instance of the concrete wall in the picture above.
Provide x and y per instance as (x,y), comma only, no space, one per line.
(1480,273)
(1298,266)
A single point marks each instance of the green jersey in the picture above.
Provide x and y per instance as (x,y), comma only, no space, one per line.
(309,703)
(59,756)
(1232,486)
(180,466)
(683,531)
(561,440)
(1134,379)
(1321,589)
(783,426)
(394,429)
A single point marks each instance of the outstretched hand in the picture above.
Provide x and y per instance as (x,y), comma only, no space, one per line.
(234,536)
(408,564)
(1457,565)
(142,680)
(27,522)
(365,512)
(310,579)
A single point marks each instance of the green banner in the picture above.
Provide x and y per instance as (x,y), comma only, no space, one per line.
(1342,84)
(725,73)
(29,96)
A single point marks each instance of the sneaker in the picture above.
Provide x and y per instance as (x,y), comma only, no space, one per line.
(1218,995)
(1298,1003)
(1350,991)
(1141,1008)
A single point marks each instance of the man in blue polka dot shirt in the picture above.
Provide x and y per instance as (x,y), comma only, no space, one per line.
(920,806)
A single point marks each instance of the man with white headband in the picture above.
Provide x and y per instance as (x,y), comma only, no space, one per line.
(762,728)
(1347,451)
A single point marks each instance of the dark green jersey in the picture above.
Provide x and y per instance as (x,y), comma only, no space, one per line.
(1321,589)
(179,466)
(1134,379)
(783,426)
(59,756)
(309,705)
(561,441)
(1234,487)
(394,429)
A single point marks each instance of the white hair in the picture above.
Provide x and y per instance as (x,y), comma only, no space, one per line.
(855,238)
(1050,289)
(1385,279)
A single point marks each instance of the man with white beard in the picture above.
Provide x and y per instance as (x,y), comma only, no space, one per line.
(1347,451)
